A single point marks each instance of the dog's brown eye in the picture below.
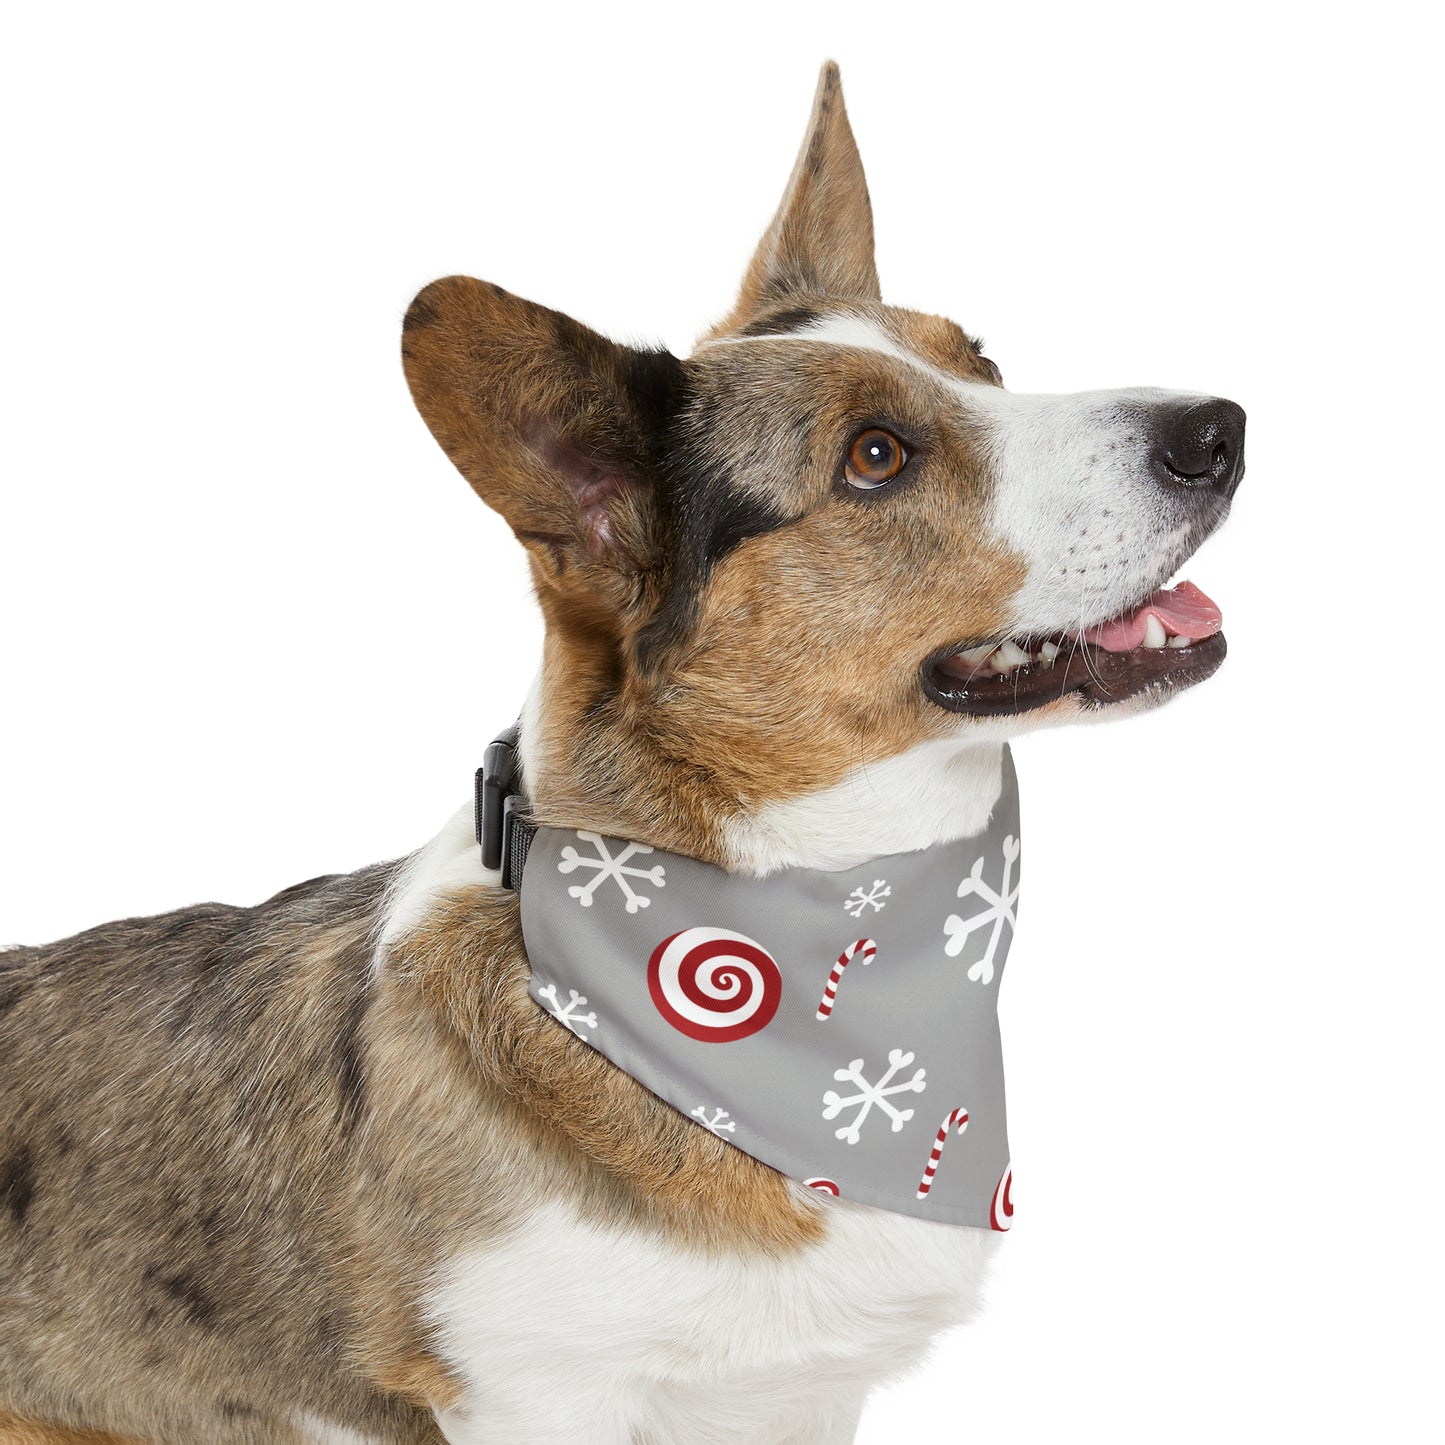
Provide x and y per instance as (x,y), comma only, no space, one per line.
(875,457)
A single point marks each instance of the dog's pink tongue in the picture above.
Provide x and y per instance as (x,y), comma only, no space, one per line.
(1184,611)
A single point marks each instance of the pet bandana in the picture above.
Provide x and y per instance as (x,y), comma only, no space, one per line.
(841,1027)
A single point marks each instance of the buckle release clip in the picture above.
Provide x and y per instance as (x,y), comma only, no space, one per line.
(503,832)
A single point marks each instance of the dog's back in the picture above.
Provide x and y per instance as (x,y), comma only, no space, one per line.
(179,1095)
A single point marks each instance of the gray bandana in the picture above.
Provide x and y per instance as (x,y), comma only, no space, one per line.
(840,1027)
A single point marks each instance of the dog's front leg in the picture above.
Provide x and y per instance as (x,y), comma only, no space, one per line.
(835,1423)
(573,1413)
(748,1412)
(562,1412)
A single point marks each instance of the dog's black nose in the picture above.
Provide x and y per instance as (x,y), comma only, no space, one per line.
(1201,444)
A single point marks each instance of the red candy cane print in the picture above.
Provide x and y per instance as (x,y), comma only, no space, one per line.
(959,1117)
(1001,1213)
(864,948)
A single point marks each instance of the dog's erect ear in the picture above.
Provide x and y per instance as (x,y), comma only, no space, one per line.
(555,426)
(820,243)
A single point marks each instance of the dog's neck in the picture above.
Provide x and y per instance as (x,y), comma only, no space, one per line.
(933,792)
(580,776)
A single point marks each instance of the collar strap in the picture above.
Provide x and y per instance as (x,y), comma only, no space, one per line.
(504,830)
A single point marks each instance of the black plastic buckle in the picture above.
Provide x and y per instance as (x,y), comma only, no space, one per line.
(499,808)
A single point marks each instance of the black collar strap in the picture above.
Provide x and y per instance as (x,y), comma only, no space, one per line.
(504,831)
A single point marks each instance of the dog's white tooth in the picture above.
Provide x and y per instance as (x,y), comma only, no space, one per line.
(1180,641)
(1154,634)
(1012,655)
(977,656)
(1049,651)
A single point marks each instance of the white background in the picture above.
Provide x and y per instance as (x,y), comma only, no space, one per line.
(256,629)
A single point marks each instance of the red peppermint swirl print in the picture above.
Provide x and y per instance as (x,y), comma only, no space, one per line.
(714,985)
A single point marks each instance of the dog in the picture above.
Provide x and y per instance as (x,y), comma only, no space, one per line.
(321,1170)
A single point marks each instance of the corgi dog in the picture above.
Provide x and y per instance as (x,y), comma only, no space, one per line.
(321,1170)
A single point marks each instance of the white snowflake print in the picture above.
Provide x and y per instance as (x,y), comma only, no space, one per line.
(609,867)
(716,1123)
(569,1012)
(1000,911)
(861,898)
(871,1094)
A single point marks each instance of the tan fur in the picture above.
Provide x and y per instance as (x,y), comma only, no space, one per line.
(503,383)
(658,1168)
(419,1377)
(820,243)
(14,1431)
(940,342)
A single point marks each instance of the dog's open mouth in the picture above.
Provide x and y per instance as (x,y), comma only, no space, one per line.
(1169,641)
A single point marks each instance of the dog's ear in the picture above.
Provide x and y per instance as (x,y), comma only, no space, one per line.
(820,244)
(555,426)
